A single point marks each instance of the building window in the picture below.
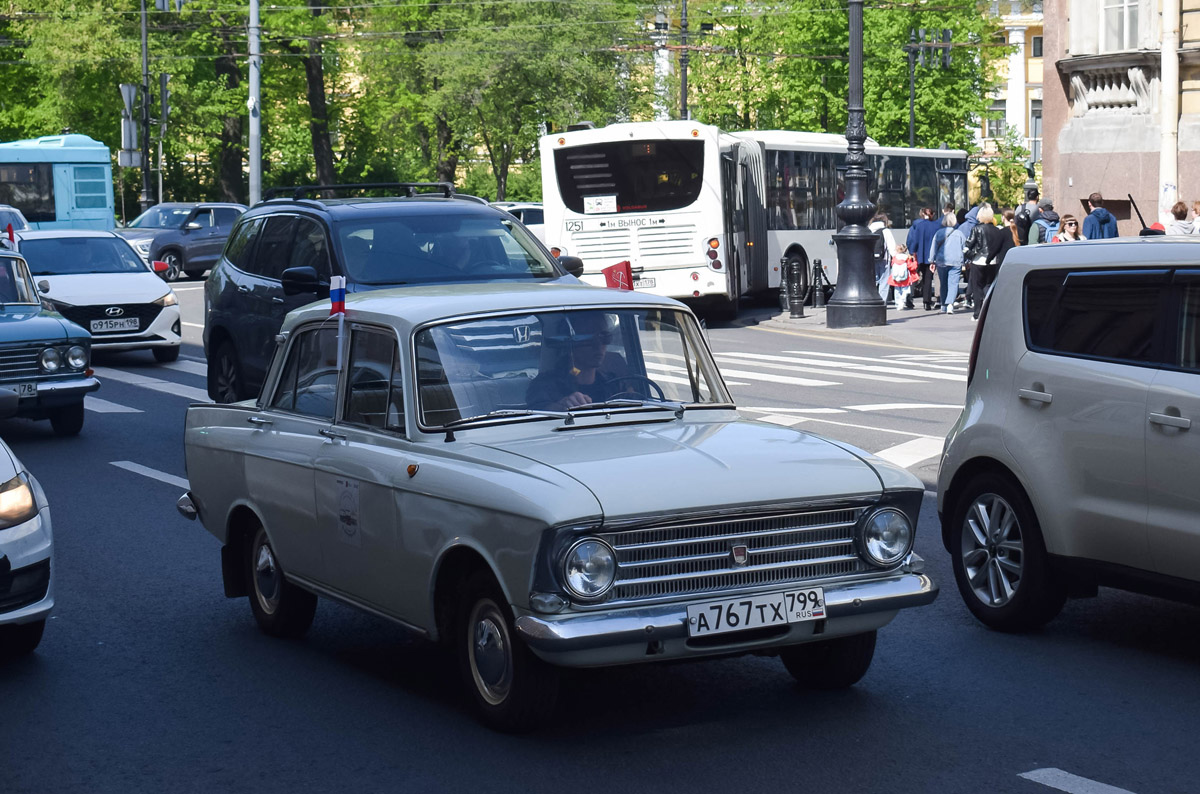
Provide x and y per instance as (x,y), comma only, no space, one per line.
(1035,45)
(994,127)
(1120,25)
(1035,129)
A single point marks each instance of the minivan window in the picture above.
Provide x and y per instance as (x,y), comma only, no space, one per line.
(237,250)
(1103,315)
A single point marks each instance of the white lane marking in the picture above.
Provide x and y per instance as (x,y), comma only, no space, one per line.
(660,373)
(105,407)
(193,325)
(1073,784)
(899,406)
(912,452)
(194,358)
(190,367)
(192,288)
(871,359)
(791,410)
(154,474)
(741,373)
(786,421)
(760,360)
(164,386)
(912,372)
(875,429)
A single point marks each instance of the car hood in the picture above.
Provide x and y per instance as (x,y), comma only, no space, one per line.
(140,234)
(692,465)
(94,288)
(26,323)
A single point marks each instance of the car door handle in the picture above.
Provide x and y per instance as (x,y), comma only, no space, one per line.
(332,435)
(258,420)
(277,299)
(243,288)
(1035,396)
(1167,420)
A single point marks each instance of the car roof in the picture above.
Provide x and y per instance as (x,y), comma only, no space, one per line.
(1115,253)
(362,208)
(407,307)
(49,233)
(191,204)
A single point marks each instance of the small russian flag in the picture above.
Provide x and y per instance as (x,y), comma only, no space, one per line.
(337,295)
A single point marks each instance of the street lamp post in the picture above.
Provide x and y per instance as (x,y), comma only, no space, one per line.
(856,302)
(146,200)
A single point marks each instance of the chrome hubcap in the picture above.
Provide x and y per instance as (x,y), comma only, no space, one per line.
(266,578)
(172,261)
(490,652)
(993,551)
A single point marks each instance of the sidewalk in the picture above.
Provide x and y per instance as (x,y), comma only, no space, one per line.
(911,328)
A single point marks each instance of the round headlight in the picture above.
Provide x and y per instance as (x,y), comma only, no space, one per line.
(887,536)
(50,360)
(77,357)
(589,568)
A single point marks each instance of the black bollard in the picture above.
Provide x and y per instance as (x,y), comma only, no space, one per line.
(783,285)
(818,291)
(795,275)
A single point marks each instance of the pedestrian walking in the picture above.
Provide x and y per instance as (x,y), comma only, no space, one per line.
(1023,216)
(901,275)
(885,249)
(1045,223)
(1196,217)
(946,253)
(1180,224)
(1099,223)
(919,242)
(1068,231)
(991,244)
(966,228)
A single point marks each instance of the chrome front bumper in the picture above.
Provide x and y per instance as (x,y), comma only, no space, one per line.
(55,394)
(643,634)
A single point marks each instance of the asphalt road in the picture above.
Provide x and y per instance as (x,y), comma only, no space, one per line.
(148,679)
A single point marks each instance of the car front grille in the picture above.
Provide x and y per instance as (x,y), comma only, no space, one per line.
(19,363)
(677,559)
(83,315)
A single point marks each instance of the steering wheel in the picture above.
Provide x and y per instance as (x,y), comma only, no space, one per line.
(659,393)
(488,266)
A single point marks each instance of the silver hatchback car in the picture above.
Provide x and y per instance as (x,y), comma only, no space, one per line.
(1072,465)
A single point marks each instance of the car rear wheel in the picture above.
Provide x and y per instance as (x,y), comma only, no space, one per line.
(20,639)
(225,374)
(280,608)
(513,690)
(174,265)
(830,664)
(67,420)
(1000,562)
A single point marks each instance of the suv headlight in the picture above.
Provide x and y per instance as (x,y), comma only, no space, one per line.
(589,568)
(77,357)
(169,299)
(50,360)
(887,536)
(17,504)
(142,247)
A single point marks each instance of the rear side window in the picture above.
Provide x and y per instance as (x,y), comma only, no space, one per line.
(1099,314)
(1188,356)
(226,216)
(237,250)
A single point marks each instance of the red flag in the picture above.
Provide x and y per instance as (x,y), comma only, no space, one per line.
(618,276)
(11,238)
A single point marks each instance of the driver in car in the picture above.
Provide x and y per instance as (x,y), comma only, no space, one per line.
(585,372)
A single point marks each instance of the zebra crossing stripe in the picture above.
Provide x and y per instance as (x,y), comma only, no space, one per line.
(765,361)
(948,366)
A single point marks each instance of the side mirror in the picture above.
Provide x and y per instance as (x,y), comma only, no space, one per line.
(191,226)
(572,264)
(43,286)
(159,267)
(299,280)
(8,403)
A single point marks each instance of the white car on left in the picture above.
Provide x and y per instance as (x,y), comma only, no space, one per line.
(26,555)
(96,280)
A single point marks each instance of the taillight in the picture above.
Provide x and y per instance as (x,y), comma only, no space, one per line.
(987,301)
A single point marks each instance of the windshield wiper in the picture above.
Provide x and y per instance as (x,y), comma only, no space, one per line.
(500,414)
(628,402)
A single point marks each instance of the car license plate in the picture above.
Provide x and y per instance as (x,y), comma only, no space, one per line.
(643,283)
(125,324)
(25,389)
(754,612)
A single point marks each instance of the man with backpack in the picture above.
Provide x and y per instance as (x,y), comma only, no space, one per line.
(1099,223)
(1023,220)
(1045,223)
(919,242)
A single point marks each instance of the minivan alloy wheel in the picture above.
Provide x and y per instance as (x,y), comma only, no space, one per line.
(993,550)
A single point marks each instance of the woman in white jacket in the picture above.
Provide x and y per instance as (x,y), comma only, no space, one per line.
(883,227)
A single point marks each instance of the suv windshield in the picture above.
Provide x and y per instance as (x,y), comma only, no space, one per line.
(561,361)
(64,256)
(15,284)
(161,218)
(428,249)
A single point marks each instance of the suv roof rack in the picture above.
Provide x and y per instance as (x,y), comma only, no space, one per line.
(409,188)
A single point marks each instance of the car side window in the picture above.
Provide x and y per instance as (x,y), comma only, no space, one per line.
(240,244)
(374,394)
(274,246)
(203,217)
(308,384)
(310,248)
(1189,329)
(1104,315)
(225,217)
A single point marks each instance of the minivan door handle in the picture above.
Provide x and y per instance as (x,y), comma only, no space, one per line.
(1035,396)
(1167,420)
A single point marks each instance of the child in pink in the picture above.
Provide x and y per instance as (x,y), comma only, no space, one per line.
(902,274)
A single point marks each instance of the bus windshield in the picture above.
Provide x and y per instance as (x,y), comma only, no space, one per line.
(630,176)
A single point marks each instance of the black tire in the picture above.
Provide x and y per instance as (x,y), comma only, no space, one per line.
(175,265)
(1009,562)
(280,608)
(830,664)
(20,639)
(225,384)
(513,690)
(165,355)
(193,273)
(67,420)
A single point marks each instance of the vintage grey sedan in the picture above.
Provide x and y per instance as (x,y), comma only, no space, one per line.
(545,476)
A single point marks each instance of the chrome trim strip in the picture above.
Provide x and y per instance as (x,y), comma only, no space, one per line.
(740,571)
(348,601)
(764,533)
(83,384)
(724,555)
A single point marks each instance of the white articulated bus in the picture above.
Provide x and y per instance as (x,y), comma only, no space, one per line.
(706,215)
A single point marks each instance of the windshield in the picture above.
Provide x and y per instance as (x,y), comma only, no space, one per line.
(561,361)
(630,176)
(161,218)
(431,249)
(13,217)
(63,256)
(15,284)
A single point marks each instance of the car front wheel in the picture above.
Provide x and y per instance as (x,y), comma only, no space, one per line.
(67,420)
(20,639)
(280,608)
(830,664)
(513,690)
(174,265)
(224,374)
(1000,562)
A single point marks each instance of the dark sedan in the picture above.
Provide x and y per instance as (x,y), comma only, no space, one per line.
(189,237)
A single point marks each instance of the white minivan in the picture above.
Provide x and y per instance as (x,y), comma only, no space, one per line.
(1073,463)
